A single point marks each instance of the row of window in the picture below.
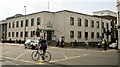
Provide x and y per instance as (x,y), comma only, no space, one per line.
(33,33)
(85,22)
(26,23)
(20,34)
(86,34)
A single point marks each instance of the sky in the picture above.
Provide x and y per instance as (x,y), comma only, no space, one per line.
(11,7)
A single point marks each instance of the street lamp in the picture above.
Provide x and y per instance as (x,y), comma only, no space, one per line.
(25,25)
(101,27)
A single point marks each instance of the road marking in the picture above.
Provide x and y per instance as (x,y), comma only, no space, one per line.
(21,55)
(18,60)
(5,52)
(70,58)
(64,55)
(11,63)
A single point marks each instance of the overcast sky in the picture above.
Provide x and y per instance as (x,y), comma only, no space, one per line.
(11,7)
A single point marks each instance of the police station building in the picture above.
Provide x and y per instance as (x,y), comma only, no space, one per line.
(54,25)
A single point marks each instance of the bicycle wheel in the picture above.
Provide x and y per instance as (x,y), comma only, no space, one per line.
(47,57)
(35,55)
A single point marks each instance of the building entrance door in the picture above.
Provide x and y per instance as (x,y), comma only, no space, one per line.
(49,35)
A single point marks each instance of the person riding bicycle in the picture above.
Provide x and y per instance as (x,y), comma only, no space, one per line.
(43,46)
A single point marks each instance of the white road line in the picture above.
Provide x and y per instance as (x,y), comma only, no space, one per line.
(21,55)
(69,58)
(11,62)
(5,52)
(18,60)
(64,55)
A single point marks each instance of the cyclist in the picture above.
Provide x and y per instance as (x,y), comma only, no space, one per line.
(43,46)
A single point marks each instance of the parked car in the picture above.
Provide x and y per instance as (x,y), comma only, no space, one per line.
(113,46)
(30,44)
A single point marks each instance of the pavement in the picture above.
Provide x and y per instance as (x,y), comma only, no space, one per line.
(78,47)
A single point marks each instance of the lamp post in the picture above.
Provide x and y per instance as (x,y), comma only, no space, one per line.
(101,27)
(25,25)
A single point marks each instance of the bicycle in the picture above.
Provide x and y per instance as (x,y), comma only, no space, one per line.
(38,53)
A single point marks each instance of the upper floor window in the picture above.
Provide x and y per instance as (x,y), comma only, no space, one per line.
(107,26)
(92,23)
(71,20)
(79,34)
(17,24)
(102,24)
(86,23)
(38,21)
(21,23)
(26,22)
(9,25)
(71,34)
(13,25)
(32,22)
(79,21)
(97,24)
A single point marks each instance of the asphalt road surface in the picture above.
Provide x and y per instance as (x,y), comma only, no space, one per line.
(17,55)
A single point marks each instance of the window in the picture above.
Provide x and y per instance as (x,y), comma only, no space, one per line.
(107,26)
(17,24)
(79,34)
(16,34)
(21,34)
(9,34)
(97,35)
(71,34)
(26,34)
(86,34)
(102,25)
(13,25)
(92,34)
(86,23)
(79,21)
(12,34)
(32,22)
(38,21)
(97,24)
(26,22)
(32,33)
(9,25)
(92,23)
(71,20)
(21,23)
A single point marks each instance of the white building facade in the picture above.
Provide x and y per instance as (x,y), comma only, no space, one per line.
(118,22)
(68,24)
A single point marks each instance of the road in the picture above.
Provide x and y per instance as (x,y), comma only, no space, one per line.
(17,55)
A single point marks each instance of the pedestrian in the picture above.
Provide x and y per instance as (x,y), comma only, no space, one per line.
(105,45)
(75,43)
(58,43)
(86,44)
(62,43)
